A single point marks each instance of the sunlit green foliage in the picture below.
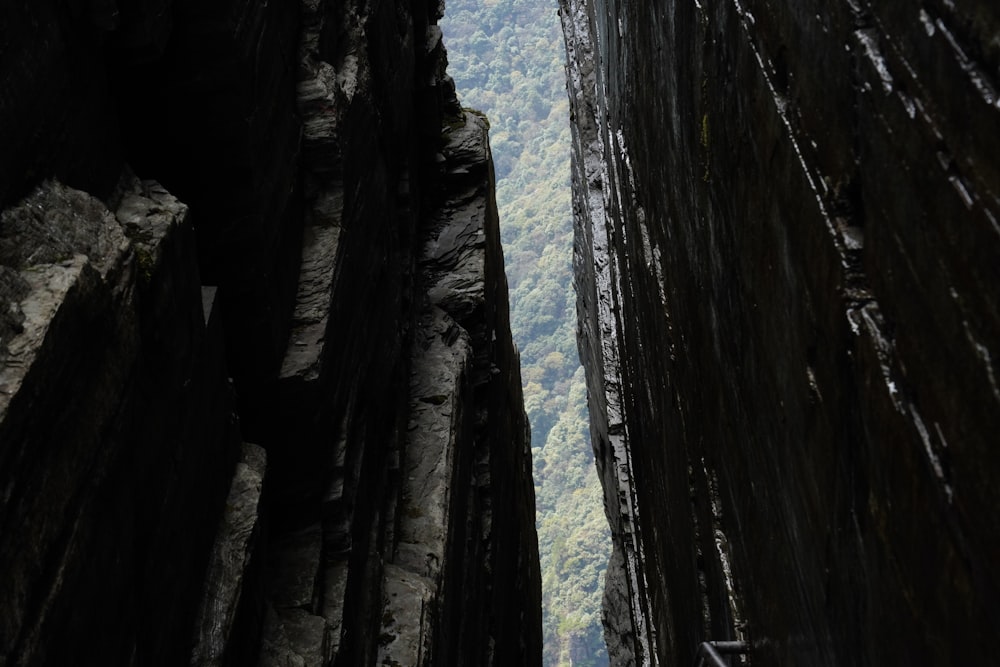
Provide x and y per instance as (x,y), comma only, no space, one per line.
(506,57)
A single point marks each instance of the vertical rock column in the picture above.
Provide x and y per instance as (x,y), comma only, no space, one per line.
(398,420)
(462,585)
(310,148)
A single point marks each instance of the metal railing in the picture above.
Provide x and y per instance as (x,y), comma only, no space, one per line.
(710,653)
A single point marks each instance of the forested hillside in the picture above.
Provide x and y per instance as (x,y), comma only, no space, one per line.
(506,57)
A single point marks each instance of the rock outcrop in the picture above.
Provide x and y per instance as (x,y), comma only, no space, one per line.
(787,263)
(309,261)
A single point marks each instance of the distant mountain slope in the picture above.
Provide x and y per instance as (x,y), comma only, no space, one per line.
(507,60)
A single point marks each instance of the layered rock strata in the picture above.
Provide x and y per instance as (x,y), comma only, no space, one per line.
(453,565)
(331,289)
(787,252)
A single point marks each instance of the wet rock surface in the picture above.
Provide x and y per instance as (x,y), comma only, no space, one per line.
(331,288)
(786,257)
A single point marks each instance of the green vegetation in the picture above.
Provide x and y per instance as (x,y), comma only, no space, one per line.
(506,57)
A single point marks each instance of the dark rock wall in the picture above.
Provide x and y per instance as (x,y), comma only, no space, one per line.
(299,298)
(114,388)
(787,265)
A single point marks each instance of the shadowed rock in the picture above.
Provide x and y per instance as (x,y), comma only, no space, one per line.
(143,340)
(786,259)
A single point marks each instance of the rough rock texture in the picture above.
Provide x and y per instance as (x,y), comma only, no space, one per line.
(450,543)
(237,545)
(332,289)
(113,391)
(787,262)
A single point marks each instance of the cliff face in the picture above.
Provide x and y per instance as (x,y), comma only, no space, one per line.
(309,261)
(787,264)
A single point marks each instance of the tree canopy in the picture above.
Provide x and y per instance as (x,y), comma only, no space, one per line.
(507,59)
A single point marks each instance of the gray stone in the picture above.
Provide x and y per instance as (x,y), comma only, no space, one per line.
(407,622)
(13,288)
(235,545)
(294,638)
(53,224)
(99,332)
(298,566)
